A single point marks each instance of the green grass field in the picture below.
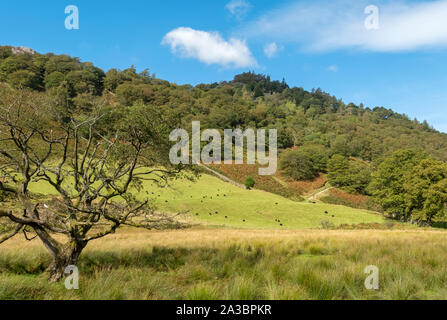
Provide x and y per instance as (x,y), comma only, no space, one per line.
(260,209)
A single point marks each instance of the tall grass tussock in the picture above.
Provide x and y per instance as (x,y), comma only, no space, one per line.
(238,264)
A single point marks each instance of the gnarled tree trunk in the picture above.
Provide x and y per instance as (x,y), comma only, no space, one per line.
(66,256)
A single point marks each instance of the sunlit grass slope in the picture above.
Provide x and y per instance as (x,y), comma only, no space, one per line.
(214,202)
(211,201)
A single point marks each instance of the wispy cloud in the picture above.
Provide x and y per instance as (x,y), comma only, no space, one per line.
(330,25)
(272,49)
(238,8)
(333,68)
(209,48)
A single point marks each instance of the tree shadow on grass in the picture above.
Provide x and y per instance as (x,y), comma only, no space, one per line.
(440,225)
(159,258)
(164,259)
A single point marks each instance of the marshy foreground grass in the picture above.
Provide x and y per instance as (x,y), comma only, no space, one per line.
(238,264)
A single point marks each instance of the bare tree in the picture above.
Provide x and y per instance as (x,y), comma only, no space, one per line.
(91,163)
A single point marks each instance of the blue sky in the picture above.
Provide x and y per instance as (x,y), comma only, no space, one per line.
(325,44)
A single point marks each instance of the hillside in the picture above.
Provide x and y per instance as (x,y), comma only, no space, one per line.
(212,202)
(250,100)
(277,184)
(321,138)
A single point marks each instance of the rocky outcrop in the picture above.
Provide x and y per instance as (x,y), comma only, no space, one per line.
(22,50)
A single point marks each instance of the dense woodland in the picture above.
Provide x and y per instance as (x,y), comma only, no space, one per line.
(376,152)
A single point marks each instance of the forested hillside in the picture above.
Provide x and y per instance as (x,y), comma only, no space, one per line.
(250,100)
(319,132)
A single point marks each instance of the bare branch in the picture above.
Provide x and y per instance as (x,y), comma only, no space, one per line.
(15,232)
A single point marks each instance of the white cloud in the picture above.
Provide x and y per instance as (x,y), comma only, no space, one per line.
(272,49)
(209,48)
(333,68)
(238,8)
(331,25)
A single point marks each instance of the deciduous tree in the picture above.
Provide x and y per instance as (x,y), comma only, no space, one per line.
(92,164)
